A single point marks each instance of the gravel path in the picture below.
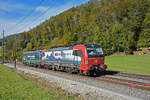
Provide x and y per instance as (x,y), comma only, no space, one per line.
(88,89)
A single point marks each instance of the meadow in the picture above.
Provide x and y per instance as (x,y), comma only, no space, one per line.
(17,87)
(1,49)
(135,63)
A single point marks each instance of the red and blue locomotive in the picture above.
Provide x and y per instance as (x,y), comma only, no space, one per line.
(77,58)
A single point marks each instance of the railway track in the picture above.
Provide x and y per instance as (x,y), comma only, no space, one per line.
(125,82)
(117,81)
(138,76)
(129,75)
(122,82)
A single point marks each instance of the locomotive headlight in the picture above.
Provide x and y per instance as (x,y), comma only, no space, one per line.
(86,61)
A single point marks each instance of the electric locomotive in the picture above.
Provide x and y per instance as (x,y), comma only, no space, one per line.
(75,58)
(32,58)
(78,58)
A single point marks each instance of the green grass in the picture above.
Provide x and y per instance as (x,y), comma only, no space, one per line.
(135,64)
(15,87)
(1,50)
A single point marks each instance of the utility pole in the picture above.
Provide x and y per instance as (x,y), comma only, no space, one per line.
(15,52)
(3,46)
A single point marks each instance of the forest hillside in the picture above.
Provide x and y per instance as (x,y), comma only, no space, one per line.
(117,25)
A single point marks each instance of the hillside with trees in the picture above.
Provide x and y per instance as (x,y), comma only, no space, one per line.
(117,25)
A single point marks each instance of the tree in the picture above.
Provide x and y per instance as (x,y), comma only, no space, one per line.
(144,38)
(117,25)
(29,46)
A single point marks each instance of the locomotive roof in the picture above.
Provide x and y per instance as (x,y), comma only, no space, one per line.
(32,51)
(61,48)
(92,45)
(64,47)
(70,46)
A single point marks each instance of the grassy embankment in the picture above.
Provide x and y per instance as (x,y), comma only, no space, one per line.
(17,87)
(135,64)
(1,51)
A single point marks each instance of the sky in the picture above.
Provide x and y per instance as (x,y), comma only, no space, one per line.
(21,15)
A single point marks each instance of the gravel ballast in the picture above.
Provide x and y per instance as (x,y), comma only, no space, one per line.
(86,88)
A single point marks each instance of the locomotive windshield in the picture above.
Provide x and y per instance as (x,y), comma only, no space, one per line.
(94,50)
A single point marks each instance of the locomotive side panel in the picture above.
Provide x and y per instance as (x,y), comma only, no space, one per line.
(61,56)
(31,58)
(83,56)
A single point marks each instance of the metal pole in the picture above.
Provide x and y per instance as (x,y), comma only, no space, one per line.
(15,52)
(3,47)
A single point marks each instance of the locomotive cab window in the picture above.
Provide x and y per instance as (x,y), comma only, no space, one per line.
(94,50)
(78,53)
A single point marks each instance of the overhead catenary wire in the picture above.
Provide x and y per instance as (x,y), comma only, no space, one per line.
(26,16)
(36,18)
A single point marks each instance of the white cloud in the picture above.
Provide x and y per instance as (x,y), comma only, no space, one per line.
(41,8)
(34,20)
(6,25)
(52,11)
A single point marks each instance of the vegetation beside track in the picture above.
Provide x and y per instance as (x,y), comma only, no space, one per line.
(118,26)
(135,64)
(14,86)
(1,51)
